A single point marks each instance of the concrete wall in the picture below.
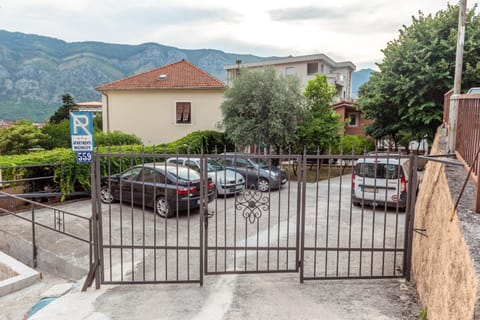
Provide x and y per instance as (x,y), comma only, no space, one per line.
(150,114)
(442,267)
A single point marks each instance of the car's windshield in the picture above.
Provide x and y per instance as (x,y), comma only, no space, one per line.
(213,165)
(183,173)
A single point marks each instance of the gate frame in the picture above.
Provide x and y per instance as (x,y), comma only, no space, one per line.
(297,158)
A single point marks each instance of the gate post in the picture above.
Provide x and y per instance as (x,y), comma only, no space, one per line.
(203,223)
(410,219)
(302,184)
(94,268)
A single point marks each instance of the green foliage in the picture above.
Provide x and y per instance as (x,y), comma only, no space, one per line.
(320,128)
(20,137)
(64,111)
(70,176)
(353,144)
(115,138)
(212,142)
(263,107)
(98,122)
(67,173)
(57,135)
(418,68)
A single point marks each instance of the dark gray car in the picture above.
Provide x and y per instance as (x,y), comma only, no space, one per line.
(257,172)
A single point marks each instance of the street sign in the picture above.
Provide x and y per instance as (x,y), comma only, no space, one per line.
(81,134)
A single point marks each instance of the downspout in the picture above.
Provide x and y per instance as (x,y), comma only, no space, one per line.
(108,112)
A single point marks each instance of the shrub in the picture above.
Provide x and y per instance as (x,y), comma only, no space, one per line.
(115,138)
(58,135)
(354,144)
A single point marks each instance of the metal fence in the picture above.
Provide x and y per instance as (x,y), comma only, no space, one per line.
(52,219)
(467,142)
(159,222)
(35,182)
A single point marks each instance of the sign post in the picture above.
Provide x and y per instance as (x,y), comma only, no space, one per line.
(81,134)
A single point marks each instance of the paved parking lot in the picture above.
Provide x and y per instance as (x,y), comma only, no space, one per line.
(328,224)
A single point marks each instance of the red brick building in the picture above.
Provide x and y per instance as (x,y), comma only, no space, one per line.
(349,112)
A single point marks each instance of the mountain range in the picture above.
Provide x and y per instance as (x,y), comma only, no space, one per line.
(35,71)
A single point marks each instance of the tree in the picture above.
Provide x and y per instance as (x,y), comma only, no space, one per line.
(20,137)
(64,111)
(263,107)
(320,128)
(406,94)
(98,122)
(58,135)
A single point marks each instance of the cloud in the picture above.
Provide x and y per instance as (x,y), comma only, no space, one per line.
(306,13)
(355,19)
(178,15)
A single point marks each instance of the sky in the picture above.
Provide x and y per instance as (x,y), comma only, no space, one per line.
(345,30)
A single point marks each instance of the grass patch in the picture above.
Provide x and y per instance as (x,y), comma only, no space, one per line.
(318,173)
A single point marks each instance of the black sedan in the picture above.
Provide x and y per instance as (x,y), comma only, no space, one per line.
(165,188)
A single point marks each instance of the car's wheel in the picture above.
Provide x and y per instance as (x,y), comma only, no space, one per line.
(106,195)
(263,185)
(162,208)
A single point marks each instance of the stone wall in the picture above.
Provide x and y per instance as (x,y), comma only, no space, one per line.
(442,266)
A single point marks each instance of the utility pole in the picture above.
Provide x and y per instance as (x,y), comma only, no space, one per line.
(457,82)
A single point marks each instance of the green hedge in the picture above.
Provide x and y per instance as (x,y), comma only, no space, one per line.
(70,176)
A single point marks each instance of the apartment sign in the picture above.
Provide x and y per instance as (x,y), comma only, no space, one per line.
(81,133)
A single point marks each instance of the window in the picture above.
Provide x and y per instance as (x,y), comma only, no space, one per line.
(289,70)
(150,175)
(131,174)
(312,68)
(192,165)
(183,112)
(352,119)
(380,170)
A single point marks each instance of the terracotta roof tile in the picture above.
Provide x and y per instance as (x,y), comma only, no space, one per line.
(178,75)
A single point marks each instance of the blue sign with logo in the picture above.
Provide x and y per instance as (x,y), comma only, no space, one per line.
(81,134)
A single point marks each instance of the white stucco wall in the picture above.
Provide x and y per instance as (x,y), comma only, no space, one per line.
(150,114)
(344,90)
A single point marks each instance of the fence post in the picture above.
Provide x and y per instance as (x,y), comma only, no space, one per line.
(34,243)
(452,122)
(410,213)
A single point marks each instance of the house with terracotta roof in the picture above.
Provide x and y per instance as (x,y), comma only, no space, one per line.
(164,104)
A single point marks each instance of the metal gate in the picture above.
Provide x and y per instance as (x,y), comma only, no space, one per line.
(238,213)
(255,231)
(357,225)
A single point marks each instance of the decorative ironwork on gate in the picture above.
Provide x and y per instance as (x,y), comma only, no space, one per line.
(252,204)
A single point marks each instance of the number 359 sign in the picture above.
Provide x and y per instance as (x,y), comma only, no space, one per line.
(81,133)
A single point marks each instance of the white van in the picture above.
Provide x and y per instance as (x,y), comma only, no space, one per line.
(380,182)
